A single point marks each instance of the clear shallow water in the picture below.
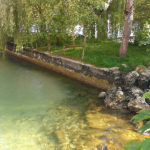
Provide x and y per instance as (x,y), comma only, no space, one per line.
(41,110)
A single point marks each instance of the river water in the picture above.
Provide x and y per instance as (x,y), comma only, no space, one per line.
(41,110)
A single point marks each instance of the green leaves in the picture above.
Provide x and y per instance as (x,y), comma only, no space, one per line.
(142,115)
(45,17)
(143,39)
(145,145)
(134,145)
(144,127)
(146,95)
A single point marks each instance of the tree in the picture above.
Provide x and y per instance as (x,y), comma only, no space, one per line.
(127,27)
(88,16)
(115,15)
(141,18)
(41,22)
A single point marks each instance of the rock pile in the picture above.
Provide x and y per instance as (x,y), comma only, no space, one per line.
(128,95)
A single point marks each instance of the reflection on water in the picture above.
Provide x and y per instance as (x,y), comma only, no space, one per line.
(41,110)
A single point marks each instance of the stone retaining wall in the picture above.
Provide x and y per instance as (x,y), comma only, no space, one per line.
(103,78)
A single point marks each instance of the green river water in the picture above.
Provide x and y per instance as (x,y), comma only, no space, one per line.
(41,110)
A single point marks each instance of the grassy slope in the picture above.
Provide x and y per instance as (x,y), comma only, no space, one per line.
(105,54)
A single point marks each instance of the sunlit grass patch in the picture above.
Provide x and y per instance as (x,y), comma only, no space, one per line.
(106,54)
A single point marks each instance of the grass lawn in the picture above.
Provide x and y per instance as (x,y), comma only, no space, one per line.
(105,54)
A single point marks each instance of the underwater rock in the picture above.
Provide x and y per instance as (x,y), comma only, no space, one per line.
(60,134)
(62,138)
(102,147)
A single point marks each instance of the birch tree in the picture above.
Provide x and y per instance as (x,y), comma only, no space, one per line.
(127,27)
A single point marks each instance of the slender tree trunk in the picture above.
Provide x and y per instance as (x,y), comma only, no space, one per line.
(73,38)
(49,44)
(127,27)
(84,45)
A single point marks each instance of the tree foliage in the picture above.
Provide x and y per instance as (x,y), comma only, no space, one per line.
(28,21)
(52,22)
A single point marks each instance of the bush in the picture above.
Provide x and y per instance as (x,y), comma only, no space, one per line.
(143,115)
(143,37)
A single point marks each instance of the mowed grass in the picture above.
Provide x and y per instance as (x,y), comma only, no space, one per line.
(106,54)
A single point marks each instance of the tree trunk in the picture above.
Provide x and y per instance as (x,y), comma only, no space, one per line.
(127,27)
(73,38)
(49,44)
(73,41)
(84,46)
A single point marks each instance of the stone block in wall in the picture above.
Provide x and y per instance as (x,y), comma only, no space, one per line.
(99,72)
(72,64)
(56,60)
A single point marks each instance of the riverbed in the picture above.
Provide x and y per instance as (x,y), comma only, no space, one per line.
(42,110)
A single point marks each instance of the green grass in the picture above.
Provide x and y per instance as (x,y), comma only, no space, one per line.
(105,54)
(53,48)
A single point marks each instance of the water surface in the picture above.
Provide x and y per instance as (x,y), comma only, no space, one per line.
(41,110)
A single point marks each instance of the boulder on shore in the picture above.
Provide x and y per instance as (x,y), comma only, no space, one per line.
(129,94)
(115,98)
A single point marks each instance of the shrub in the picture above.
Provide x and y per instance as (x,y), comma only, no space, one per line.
(143,37)
(143,115)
